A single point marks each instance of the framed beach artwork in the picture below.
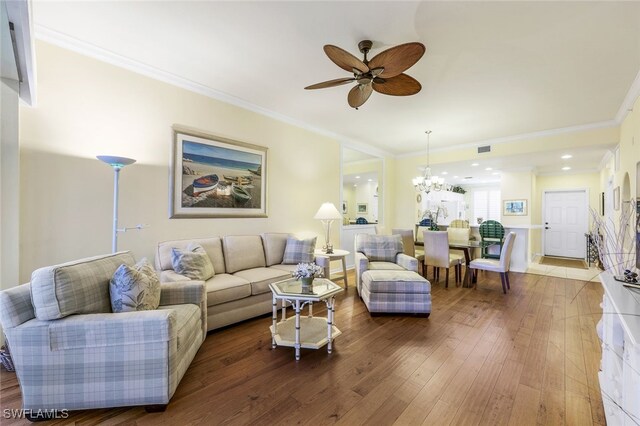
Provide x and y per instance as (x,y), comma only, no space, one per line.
(345,207)
(213,176)
(514,208)
(362,208)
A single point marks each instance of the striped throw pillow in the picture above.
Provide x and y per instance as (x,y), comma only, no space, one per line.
(193,262)
(299,251)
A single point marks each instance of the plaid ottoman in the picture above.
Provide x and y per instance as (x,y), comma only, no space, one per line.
(392,291)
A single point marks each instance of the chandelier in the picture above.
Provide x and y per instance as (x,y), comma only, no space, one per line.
(428,183)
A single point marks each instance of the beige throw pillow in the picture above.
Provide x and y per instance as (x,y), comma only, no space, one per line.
(193,262)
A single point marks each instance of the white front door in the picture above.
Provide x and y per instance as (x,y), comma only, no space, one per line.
(565,223)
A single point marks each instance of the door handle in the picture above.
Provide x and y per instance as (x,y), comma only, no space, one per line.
(546,227)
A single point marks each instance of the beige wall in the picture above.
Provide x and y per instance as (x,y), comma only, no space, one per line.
(629,149)
(87,108)
(517,186)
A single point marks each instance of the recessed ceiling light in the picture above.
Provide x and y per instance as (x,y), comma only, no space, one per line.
(357,177)
(456,177)
(369,180)
(445,173)
(566,156)
(566,168)
(495,173)
(489,169)
(355,184)
(475,164)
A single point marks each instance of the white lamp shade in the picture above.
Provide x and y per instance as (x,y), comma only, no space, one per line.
(328,211)
(115,161)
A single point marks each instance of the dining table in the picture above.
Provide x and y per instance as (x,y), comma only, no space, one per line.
(467,247)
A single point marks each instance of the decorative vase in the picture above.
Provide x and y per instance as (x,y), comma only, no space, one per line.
(307,283)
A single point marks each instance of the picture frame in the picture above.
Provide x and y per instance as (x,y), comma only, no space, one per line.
(362,208)
(212,176)
(345,207)
(514,207)
(616,198)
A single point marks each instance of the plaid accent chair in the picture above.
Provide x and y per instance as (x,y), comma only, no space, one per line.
(381,252)
(71,352)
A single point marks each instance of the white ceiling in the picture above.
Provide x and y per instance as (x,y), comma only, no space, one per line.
(492,69)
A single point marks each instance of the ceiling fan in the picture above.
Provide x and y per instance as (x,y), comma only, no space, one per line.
(383,73)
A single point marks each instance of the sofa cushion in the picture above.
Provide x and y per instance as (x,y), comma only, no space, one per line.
(212,245)
(243,252)
(286,268)
(395,282)
(134,288)
(385,266)
(192,262)
(224,288)
(260,278)
(274,244)
(78,287)
(379,247)
(299,251)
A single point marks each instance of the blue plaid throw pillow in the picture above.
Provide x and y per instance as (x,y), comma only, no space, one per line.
(299,251)
(380,248)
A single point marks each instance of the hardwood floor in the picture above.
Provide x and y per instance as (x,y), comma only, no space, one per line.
(482,358)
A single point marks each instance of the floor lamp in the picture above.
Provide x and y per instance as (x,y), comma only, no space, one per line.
(117,163)
(327,213)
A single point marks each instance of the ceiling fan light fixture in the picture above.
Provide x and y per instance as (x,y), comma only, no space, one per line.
(385,75)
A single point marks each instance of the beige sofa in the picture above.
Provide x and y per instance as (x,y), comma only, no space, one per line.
(244,267)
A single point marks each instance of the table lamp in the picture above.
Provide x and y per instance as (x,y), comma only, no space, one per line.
(117,163)
(327,213)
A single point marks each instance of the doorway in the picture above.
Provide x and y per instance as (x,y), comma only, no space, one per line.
(565,223)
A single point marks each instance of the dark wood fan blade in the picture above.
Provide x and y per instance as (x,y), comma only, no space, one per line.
(359,95)
(344,59)
(330,83)
(400,85)
(397,59)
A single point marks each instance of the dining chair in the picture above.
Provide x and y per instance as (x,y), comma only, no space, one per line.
(491,233)
(436,254)
(500,265)
(408,242)
(459,234)
(459,223)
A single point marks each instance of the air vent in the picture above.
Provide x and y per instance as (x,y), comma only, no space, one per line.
(486,148)
(468,177)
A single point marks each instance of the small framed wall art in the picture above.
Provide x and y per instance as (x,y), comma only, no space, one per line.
(514,208)
(362,208)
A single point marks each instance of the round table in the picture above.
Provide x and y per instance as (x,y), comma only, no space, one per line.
(337,255)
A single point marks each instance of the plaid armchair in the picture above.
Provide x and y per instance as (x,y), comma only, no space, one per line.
(382,252)
(71,352)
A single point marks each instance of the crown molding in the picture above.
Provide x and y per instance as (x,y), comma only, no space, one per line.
(87,49)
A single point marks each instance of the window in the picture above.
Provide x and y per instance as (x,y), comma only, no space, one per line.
(486,204)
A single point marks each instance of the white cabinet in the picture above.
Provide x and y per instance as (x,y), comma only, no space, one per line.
(620,366)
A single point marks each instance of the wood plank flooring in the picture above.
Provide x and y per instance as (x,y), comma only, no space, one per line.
(482,358)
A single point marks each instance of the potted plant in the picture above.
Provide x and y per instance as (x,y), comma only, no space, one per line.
(306,272)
